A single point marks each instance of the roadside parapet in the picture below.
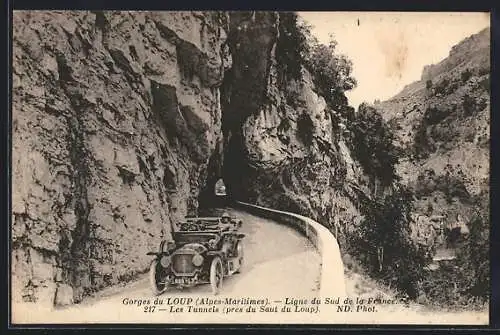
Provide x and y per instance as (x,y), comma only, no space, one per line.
(332,282)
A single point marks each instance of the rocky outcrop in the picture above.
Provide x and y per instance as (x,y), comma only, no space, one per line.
(285,149)
(442,124)
(116,118)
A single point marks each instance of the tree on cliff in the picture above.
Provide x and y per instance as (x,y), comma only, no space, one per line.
(332,72)
(373,144)
(393,256)
(464,281)
(475,254)
(297,48)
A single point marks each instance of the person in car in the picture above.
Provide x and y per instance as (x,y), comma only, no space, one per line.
(225,218)
(226,225)
(227,222)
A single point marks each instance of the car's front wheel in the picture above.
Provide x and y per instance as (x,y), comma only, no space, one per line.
(157,278)
(216,275)
(240,255)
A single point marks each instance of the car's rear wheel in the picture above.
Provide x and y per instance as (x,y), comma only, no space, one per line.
(157,280)
(216,275)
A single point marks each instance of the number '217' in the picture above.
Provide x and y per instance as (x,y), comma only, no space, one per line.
(149,309)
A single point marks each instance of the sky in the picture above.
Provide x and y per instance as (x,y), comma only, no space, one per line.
(390,49)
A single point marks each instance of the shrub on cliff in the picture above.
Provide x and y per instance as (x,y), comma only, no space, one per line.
(472,106)
(422,144)
(441,86)
(372,144)
(424,141)
(466,75)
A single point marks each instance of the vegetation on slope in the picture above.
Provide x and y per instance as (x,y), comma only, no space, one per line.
(384,245)
(445,118)
(372,145)
(297,48)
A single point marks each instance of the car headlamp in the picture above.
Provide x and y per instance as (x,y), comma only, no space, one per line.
(212,244)
(197,260)
(165,261)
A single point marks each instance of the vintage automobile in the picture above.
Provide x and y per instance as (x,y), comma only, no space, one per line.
(203,250)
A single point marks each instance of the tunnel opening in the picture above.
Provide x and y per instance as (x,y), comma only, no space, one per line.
(220,188)
(242,93)
(214,193)
(213,196)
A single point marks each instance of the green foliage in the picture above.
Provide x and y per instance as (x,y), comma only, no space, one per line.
(373,144)
(423,143)
(468,104)
(451,184)
(485,84)
(447,86)
(445,287)
(305,129)
(282,129)
(284,125)
(392,254)
(483,70)
(435,115)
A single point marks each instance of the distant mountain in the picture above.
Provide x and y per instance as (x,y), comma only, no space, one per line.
(442,126)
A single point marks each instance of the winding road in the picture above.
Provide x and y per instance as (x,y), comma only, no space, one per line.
(279,263)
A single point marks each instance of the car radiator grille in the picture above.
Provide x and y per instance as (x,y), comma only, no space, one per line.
(183,264)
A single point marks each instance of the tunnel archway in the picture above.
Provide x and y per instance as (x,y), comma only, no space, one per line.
(207,197)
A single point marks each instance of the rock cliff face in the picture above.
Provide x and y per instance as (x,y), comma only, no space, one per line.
(442,124)
(116,120)
(284,148)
